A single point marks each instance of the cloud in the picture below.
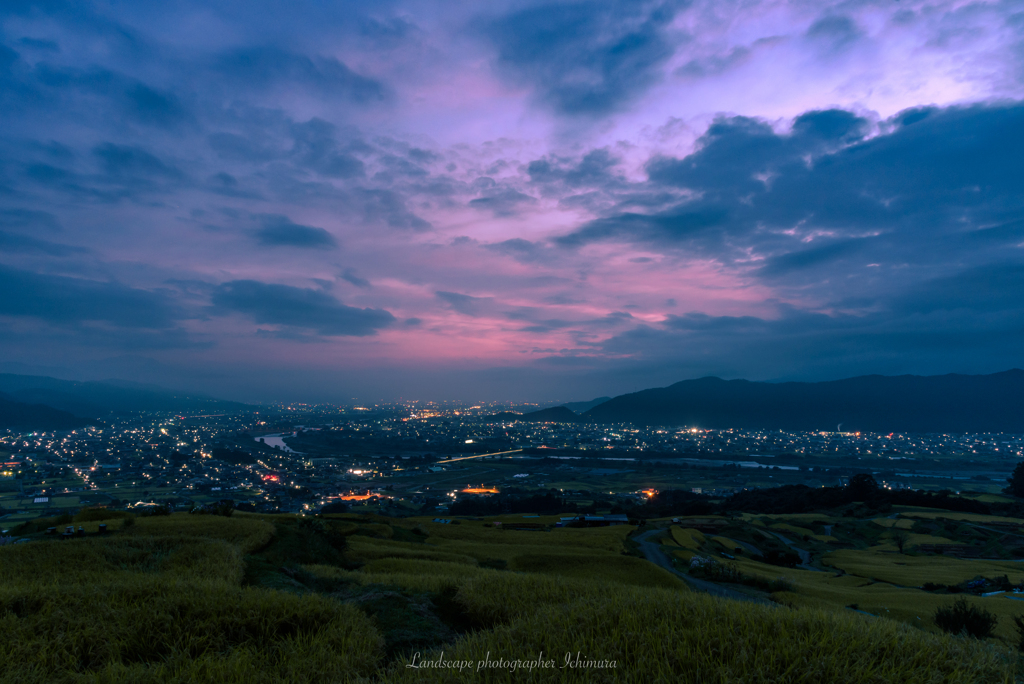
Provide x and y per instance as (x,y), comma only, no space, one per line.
(12,242)
(838,202)
(316,148)
(273,67)
(798,345)
(585,58)
(389,207)
(294,307)
(349,276)
(72,301)
(463,303)
(714,65)
(29,218)
(520,250)
(155,108)
(502,202)
(279,231)
(836,33)
(134,166)
(594,169)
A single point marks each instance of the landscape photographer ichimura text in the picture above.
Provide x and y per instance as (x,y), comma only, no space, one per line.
(572,661)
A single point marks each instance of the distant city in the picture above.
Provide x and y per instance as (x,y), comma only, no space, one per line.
(415,458)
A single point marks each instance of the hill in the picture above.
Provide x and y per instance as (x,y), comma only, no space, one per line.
(16,415)
(557,414)
(189,598)
(871,403)
(96,399)
(584,406)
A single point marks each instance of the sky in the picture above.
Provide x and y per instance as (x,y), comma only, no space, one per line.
(525,201)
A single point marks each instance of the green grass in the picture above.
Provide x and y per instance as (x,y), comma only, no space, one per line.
(687,538)
(913,571)
(274,599)
(659,635)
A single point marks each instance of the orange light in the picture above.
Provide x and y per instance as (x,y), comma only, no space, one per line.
(650,493)
(479,490)
(357,497)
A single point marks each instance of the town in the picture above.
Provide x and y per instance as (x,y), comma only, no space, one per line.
(412,459)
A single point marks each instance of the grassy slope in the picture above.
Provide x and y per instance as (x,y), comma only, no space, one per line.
(263,599)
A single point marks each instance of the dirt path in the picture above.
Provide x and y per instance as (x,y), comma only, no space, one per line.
(652,551)
(805,556)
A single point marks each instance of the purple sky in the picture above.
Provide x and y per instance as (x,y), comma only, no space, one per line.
(508,200)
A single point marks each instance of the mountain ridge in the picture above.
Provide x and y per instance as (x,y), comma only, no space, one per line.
(870,403)
(94,399)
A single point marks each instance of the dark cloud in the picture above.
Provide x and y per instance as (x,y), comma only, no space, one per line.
(37,44)
(834,206)
(594,169)
(153,107)
(502,201)
(272,67)
(714,65)
(295,307)
(63,300)
(279,231)
(586,58)
(803,345)
(991,288)
(388,207)
(29,218)
(237,147)
(519,249)
(836,33)
(316,148)
(349,276)
(830,253)
(12,242)
(133,163)
(390,32)
(465,304)
(224,183)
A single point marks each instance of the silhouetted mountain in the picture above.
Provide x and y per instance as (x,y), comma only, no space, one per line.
(16,415)
(584,406)
(558,414)
(871,403)
(96,399)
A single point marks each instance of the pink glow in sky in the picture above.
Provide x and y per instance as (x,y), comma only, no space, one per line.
(522,200)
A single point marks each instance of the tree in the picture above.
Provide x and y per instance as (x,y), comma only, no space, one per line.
(900,539)
(1016,481)
(862,486)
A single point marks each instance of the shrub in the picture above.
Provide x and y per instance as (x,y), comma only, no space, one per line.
(91,514)
(1018,621)
(966,619)
(224,507)
(710,569)
(784,558)
(148,511)
(335,507)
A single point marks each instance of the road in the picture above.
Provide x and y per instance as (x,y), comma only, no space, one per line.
(805,556)
(652,551)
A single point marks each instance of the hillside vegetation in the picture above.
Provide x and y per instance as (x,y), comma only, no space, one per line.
(254,599)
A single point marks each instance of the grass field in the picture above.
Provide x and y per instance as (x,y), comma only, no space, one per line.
(275,598)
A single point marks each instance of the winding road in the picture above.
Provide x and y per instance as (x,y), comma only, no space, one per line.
(653,552)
